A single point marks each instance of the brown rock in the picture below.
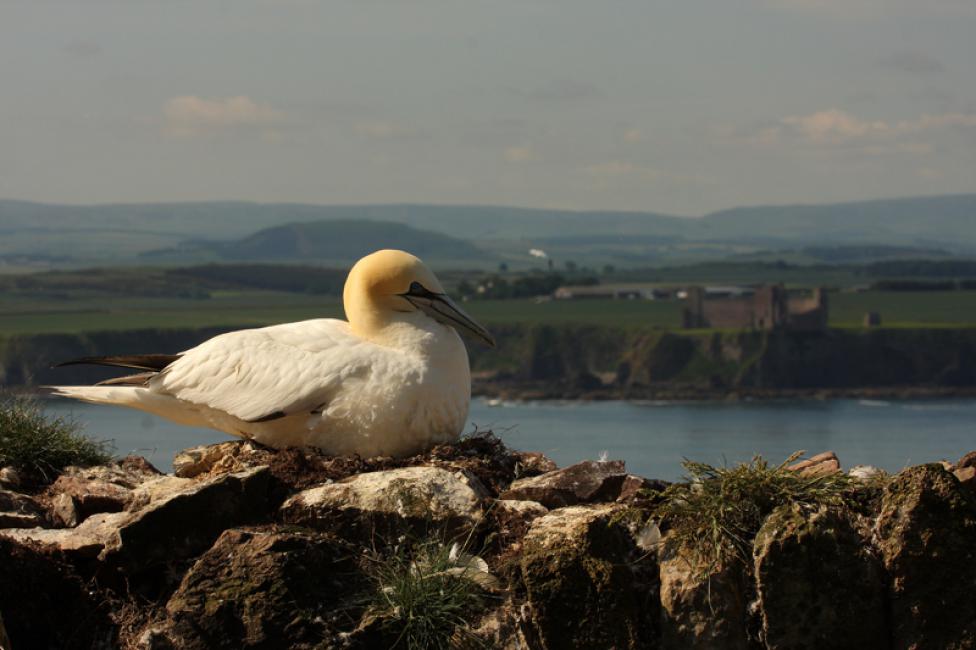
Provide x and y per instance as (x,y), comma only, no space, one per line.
(703,607)
(46,605)
(818,585)
(19,510)
(267,588)
(637,488)
(926,532)
(419,498)
(969,460)
(825,463)
(533,463)
(966,476)
(586,482)
(9,477)
(167,519)
(220,458)
(513,518)
(102,488)
(587,584)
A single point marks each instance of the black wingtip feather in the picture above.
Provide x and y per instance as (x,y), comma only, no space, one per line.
(152,362)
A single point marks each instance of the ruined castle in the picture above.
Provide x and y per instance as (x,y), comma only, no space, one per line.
(770,307)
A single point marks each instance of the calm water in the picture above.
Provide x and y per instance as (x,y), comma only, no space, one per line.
(652,437)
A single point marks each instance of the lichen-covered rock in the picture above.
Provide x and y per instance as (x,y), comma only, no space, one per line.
(818,585)
(703,607)
(927,535)
(586,482)
(392,501)
(512,519)
(167,518)
(966,476)
(264,588)
(19,510)
(587,585)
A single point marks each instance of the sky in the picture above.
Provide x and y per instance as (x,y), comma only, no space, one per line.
(680,107)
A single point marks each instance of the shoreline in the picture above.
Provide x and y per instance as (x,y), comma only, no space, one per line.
(546,391)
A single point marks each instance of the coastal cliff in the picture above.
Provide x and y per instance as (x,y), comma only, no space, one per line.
(594,362)
(474,545)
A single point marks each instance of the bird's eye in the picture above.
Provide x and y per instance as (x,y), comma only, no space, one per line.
(417,288)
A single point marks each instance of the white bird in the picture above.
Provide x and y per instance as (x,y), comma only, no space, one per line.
(393,380)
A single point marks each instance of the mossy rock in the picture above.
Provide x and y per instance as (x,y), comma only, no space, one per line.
(702,606)
(927,535)
(819,587)
(265,588)
(586,583)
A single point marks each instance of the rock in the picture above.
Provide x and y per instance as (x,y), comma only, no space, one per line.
(818,585)
(637,488)
(167,519)
(19,510)
(586,482)
(4,639)
(533,463)
(966,476)
(391,501)
(927,535)
(702,607)
(221,458)
(825,463)
(9,477)
(46,605)
(586,583)
(264,587)
(64,511)
(969,460)
(513,518)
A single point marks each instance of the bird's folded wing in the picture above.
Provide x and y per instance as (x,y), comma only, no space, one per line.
(263,373)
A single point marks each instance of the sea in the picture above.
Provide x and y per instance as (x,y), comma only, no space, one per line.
(654,438)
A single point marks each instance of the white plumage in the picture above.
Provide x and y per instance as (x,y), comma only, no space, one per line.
(394,380)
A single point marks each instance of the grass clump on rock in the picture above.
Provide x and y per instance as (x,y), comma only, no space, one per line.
(40,447)
(717,511)
(427,595)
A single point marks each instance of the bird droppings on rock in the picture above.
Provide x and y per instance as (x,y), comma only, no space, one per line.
(131,559)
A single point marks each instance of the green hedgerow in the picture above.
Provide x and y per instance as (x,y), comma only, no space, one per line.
(39,446)
(717,512)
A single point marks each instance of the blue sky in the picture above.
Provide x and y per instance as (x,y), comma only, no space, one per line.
(679,107)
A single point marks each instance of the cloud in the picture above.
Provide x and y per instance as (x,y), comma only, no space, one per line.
(834,128)
(522,154)
(912,62)
(189,115)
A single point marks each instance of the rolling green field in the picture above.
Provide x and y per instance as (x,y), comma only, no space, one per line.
(20,315)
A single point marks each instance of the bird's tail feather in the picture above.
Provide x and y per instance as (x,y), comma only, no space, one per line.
(124,395)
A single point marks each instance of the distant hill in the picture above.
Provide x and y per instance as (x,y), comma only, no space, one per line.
(35,234)
(332,242)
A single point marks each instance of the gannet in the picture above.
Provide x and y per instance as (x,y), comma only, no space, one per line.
(393,381)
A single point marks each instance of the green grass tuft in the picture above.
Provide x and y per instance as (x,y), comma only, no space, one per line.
(716,514)
(40,447)
(424,599)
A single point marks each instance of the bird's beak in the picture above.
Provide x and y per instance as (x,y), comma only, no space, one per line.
(444,310)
